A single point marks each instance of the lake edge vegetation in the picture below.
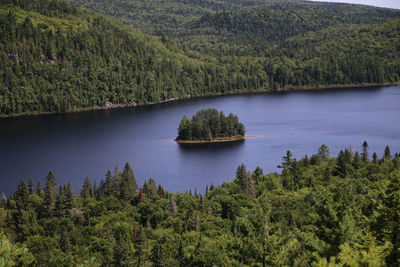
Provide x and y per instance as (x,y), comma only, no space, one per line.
(58,58)
(320,210)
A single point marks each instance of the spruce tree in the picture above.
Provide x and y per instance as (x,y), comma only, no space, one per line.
(160,191)
(286,160)
(249,188)
(21,195)
(387,153)
(172,205)
(102,190)
(241,173)
(357,160)
(50,195)
(341,164)
(323,152)
(158,254)
(31,186)
(196,221)
(87,190)
(327,174)
(140,247)
(3,200)
(39,189)
(364,154)
(95,190)
(109,184)
(150,188)
(374,158)
(128,184)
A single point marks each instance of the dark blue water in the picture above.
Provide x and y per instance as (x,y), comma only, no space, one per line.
(75,146)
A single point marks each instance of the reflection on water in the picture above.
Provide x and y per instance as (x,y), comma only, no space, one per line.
(222,146)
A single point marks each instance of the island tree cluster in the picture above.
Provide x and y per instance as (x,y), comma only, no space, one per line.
(209,124)
(320,211)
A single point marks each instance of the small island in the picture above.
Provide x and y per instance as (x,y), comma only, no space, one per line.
(210,126)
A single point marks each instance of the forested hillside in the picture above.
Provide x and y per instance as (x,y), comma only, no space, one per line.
(55,57)
(58,58)
(320,211)
(162,17)
(255,30)
(239,27)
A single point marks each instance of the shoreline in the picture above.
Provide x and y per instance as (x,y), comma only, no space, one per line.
(260,91)
(214,141)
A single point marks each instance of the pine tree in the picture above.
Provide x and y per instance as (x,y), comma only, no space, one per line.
(68,200)
(341,164)
(140,246)
(364,154)
(306,161)
(150,188)
(196,221)
(357,160)
(241,173)
(249,188)
(327,175)
(3,200)
(158,254)
(128,184)
(172,205)
(160,191)
(140,197)
(387,153)
(374,158)
(258,174)
(31,186)
(10,25)
(21,195)
(348,155)
(323,152)
(87,190)
(39,189)
(109,184)
(286,160)
(102,190)
(95,190)
(50,195)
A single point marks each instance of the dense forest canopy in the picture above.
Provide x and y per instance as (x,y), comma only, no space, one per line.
(209,124)
(242,28)
(320,211)
(55,57)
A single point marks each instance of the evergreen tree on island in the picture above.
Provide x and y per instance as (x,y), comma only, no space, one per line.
(210,125)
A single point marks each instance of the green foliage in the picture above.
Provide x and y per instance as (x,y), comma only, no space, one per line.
(209,124)
(321,210)
(59,58)
(14,255)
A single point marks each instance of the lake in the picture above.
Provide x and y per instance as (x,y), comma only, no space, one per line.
(75,146)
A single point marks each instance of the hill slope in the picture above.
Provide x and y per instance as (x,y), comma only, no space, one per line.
(240,27)
(56,58)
